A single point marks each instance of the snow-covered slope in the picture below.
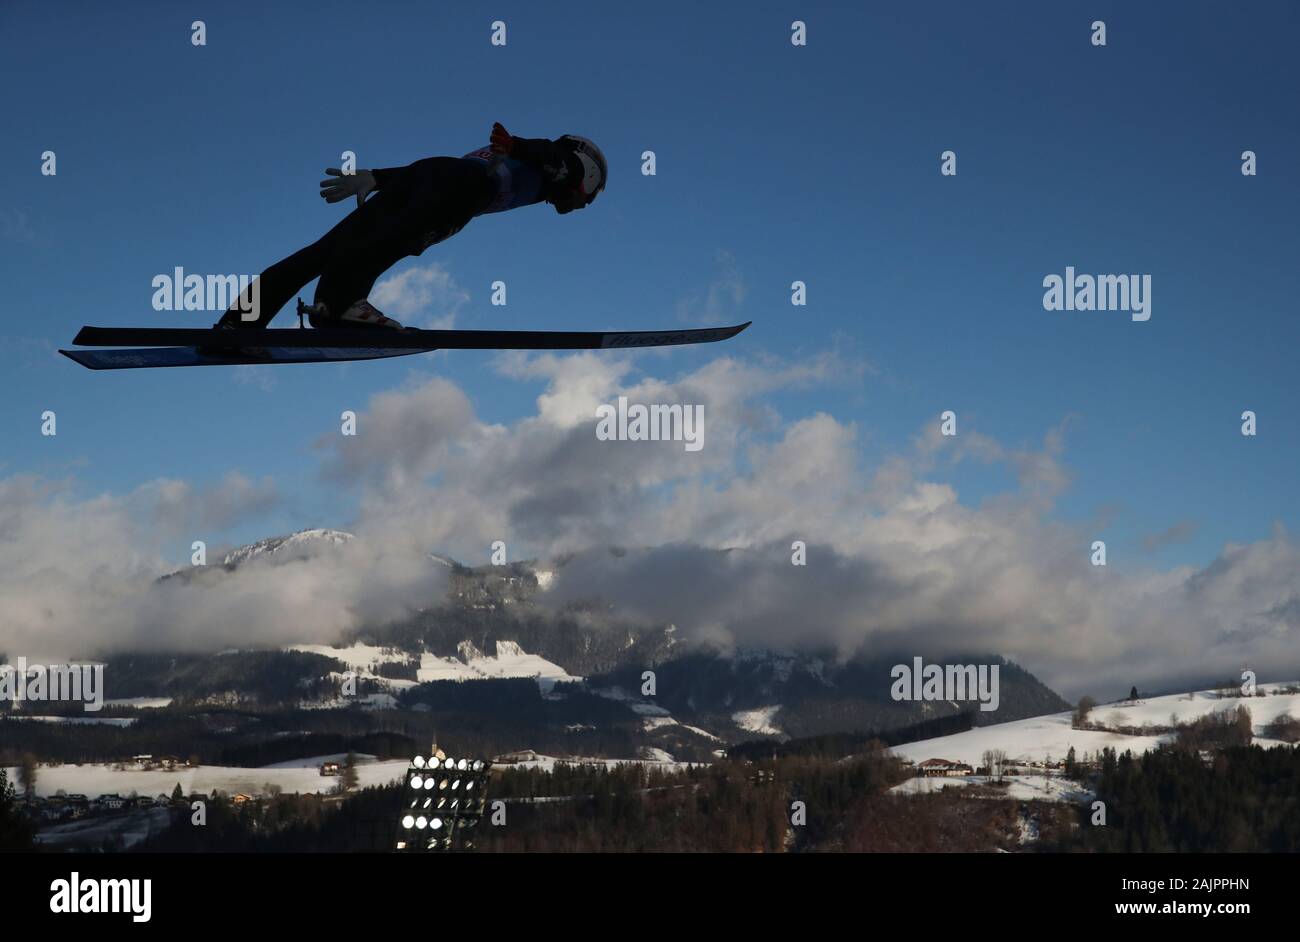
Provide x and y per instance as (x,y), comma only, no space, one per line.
(96,780)
(120,721)
(360,657)
(141,703)
(1190,706)
(1051,737)
(282,548)
(510,660)
(315,762)
(532,760)
(761,720)
(1019,787)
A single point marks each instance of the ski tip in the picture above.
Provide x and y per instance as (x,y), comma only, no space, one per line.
(72,355)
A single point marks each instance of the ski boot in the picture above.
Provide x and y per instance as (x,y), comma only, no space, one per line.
(361,314)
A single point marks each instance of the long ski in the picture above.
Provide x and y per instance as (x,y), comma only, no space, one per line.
(406,338)
(159,357)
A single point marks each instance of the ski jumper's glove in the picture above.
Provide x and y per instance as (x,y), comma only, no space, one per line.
(555,161)
(501,141)
(342,185)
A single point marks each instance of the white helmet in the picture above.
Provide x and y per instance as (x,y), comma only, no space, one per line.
(593,163)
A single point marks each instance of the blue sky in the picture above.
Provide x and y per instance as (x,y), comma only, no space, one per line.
(774,164)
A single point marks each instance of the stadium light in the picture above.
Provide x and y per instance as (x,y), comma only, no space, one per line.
(439,813)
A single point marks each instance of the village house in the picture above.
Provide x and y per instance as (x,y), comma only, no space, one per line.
(510,758)
(150,762)
(77,806)
(943,767)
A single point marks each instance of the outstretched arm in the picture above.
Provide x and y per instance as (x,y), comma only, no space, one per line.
(342,185)
(554,160)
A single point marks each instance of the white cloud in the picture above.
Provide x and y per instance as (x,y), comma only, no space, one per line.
(421,296)
(896,560)
(78,577)
(177,506)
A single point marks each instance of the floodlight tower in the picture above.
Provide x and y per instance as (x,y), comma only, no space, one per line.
(443,802)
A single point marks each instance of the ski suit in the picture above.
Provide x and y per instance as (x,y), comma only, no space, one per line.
(411,208)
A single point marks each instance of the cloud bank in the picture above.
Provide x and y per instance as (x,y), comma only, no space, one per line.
(895,559)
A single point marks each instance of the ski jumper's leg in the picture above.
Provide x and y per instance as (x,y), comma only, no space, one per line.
(443,194)
(287,277)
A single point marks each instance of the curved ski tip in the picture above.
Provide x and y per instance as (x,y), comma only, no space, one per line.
(741,327)
(72,355)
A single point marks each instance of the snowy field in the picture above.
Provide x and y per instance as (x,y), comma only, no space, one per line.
(124,830)
(1018,787)
(315,762)
(654,757)
(762,720)
(1051,737)
(652,723)
(94,780)
(510,660)
(141,703)
(359,657)
(297,775)
(119,721)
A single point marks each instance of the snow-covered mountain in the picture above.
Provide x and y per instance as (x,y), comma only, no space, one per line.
(497,621)
(300,545)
